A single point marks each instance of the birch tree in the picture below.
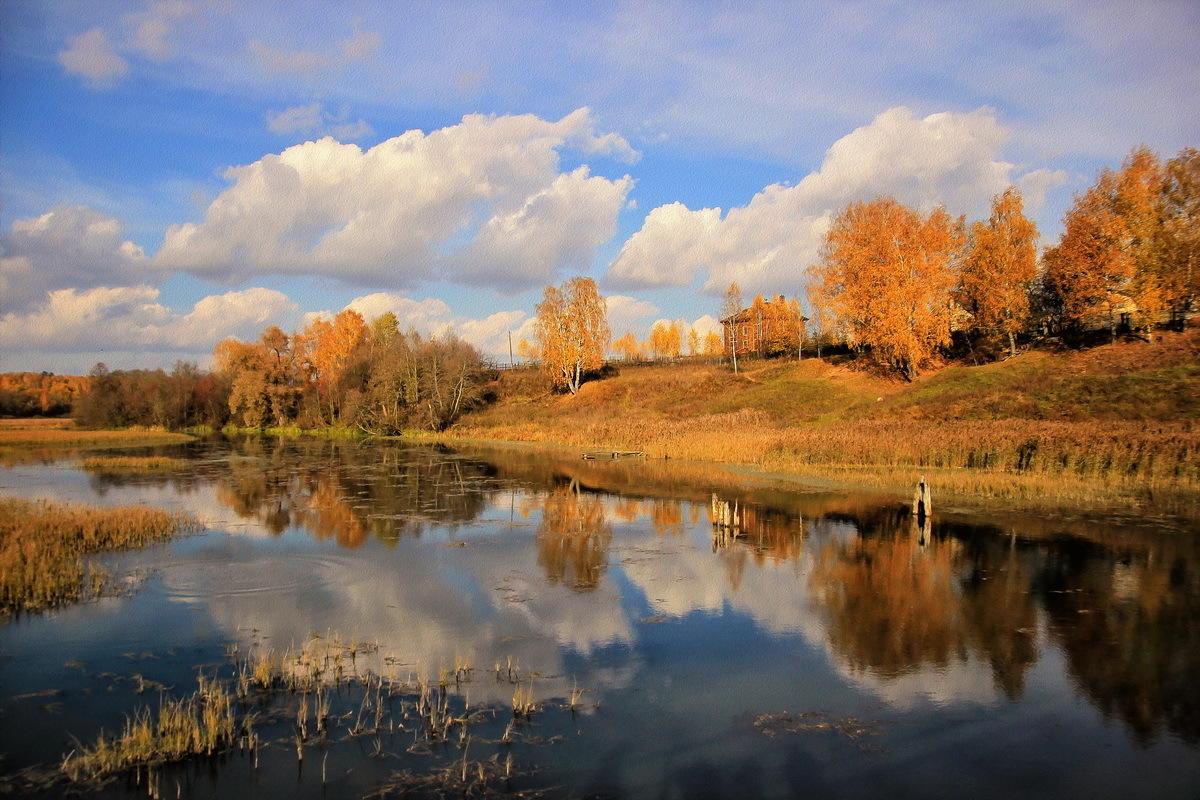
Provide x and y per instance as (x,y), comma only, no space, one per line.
(887,274)
(572,332)
(999,269)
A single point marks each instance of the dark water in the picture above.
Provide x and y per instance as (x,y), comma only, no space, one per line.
(832,648)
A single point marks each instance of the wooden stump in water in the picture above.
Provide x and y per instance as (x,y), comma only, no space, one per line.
(921,504)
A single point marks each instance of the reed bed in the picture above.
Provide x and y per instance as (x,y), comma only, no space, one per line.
(1011,459)
(201,724)
(321,693)
(132,464)
(39,436)
(42,546)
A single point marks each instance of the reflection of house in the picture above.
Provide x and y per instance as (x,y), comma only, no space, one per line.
(766,327)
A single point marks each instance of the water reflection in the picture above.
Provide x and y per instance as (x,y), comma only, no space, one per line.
(900,599)
(573,537)
(564,559)
(347,492)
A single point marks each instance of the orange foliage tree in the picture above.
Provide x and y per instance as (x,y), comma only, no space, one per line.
(999,268)
(572,331)
(1112,258)
(712,344)
(331,348)
(1179,208)
(664,340)
(628,346)
(887,273)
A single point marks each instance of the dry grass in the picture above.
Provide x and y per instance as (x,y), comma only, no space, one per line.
(134,464)
(1112,425)
(199,725)
(35,423)
(44,436)
(1017,460)
(42,547)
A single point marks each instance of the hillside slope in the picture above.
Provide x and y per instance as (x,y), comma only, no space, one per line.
(1124,416)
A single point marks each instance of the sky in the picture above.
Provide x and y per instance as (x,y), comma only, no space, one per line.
(174,173)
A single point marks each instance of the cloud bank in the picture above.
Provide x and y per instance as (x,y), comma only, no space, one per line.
(483,203)
(765,246)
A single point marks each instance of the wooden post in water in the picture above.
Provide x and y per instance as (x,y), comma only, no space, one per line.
(921,504)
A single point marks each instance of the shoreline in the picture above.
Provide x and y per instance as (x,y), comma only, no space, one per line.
(958,488)
(1079,498)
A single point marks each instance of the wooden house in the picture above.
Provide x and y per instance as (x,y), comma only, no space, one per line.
(764,328)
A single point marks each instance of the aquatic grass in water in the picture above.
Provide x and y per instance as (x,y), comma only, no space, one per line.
(132,464)
(42,547)
(43,436)
(200,725)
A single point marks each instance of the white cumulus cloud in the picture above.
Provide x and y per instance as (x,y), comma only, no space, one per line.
(481,202)
(68,246)
(131,318)
(766,245)
(627,313)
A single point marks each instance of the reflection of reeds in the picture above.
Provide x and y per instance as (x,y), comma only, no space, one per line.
(42,547)
(133,464)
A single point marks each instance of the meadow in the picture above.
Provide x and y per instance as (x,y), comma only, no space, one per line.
(1116,425)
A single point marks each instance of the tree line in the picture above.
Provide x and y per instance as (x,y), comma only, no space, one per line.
(338,372)
(892,284)
(898,286)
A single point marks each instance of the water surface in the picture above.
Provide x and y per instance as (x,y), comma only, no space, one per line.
(830,646)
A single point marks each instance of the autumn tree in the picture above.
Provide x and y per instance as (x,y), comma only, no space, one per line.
(693,341)
(1114,256)
(628,346)
(244,366)
(527,351)
(1179,210)
(664,341)
(572,331)
(820,324)
(780,324)
(999,268)
(332,347)
(1091,266)
(712,344)
(1137,202)
(731,304)
(887,274)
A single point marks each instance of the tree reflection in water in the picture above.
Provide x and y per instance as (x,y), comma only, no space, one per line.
(574,537)
(347,492)
(1130,629)
(1122,604)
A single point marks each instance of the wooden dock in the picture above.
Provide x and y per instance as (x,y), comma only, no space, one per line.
(611,455)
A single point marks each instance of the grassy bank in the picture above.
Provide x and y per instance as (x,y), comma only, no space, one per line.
(32,434)
(294,431)
(42,548)
(132,464)
(1115,425)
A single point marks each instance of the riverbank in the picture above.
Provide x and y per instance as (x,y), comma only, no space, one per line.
(1112,427)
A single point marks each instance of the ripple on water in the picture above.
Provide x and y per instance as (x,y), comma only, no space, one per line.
(202,578)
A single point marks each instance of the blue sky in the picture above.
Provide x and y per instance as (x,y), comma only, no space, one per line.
(175,172)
